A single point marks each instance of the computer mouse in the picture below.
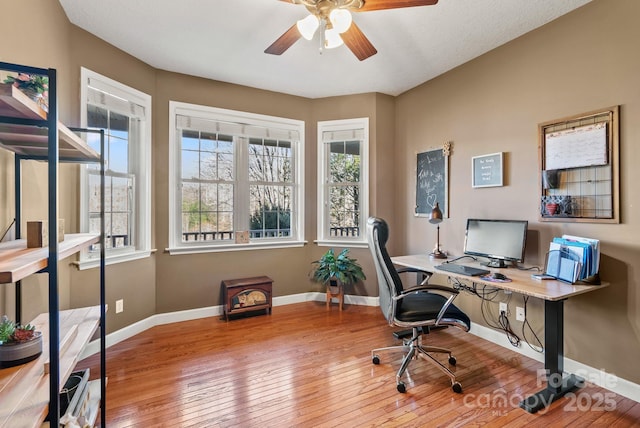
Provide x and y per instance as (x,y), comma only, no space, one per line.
(498,275)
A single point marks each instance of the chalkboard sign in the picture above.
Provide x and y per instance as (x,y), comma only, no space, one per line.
(431,182)
(487,170)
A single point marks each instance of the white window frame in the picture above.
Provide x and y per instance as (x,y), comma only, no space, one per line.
(176,245)
(142,166)
(323,233)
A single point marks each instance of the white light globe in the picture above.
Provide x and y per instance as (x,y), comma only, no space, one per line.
(340,19)
(308,26)
(332,39)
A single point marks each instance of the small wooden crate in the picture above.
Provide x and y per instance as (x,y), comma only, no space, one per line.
(38,233)
(246,294)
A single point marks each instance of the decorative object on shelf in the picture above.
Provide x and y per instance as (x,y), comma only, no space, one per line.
(557,205)
(38,233)
(436,218)
(242,237)
(336,272)
(18,344)
(551,208)
(34,86)
(550,179)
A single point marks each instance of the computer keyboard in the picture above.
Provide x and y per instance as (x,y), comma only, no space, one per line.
(462,269)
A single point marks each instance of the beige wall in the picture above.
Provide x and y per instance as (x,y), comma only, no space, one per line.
(584,61)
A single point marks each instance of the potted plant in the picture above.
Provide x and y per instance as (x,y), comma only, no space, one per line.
(18,344)
(336,272)
(34,86)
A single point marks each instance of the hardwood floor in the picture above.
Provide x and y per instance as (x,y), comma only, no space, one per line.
(305,366)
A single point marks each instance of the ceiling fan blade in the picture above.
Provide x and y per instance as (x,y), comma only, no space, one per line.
(370,5)
(358,43)
(284,42)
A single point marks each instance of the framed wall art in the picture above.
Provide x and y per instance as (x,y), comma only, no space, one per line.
(486,170)
(432,181)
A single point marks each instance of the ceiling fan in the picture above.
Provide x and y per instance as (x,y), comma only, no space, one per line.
(333,17)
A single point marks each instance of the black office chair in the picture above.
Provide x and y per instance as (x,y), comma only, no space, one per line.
(418,308)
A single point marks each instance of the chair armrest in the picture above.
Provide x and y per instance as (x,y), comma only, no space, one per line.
(430,287)
(409,269)
(453,294)
(427,275)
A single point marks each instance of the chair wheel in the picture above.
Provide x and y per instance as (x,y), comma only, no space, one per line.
(457,387)
(452,361)
(401,388)
(375,359)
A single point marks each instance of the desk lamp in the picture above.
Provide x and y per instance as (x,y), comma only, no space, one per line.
(436,218)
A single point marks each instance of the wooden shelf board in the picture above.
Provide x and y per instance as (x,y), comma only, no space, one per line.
(17,261)
(28,140)
(24,389)
(14,103)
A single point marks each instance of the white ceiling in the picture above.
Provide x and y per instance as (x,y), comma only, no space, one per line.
(225,40)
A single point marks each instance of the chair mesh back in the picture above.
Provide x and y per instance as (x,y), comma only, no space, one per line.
(389,282)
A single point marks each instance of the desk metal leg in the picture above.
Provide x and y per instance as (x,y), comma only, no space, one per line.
(557,384)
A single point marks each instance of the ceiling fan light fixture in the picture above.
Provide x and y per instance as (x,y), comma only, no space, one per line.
(332,38)
(340,19)
(308,26)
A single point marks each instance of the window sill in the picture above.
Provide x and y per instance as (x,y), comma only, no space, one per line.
(204,248)
(342,243)
(111,260)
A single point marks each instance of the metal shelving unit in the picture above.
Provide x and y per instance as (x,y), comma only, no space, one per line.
(35,134)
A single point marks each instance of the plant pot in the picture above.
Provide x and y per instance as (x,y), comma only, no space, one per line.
(14,354)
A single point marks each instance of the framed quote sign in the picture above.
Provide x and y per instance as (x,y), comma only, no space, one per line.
(486,170)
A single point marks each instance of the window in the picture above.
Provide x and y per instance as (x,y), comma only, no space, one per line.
(125,116)
(236,180)
(343,181)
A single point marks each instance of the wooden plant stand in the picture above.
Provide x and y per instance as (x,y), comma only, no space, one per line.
(337,291)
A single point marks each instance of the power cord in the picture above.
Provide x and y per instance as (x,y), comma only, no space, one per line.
(539,347)
(506,327)
(460,258)
(536,268)
(488,294)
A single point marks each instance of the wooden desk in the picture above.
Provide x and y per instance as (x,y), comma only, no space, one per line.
(554,293)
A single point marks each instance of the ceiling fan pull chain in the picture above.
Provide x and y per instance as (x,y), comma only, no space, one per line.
(323,40)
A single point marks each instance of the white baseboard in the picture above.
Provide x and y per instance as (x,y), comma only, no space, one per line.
(598,377)
(187,315)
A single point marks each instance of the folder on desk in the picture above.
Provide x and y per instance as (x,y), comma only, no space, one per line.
(595,251)
(572,258)
(563,264)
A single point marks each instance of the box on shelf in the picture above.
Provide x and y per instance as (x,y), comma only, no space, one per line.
(38,233)
(74,398)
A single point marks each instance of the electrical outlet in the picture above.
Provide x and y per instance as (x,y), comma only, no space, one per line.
(519,313)
(119,306)
(503,308)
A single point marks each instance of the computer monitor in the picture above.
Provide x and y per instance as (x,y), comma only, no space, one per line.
(500,241)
